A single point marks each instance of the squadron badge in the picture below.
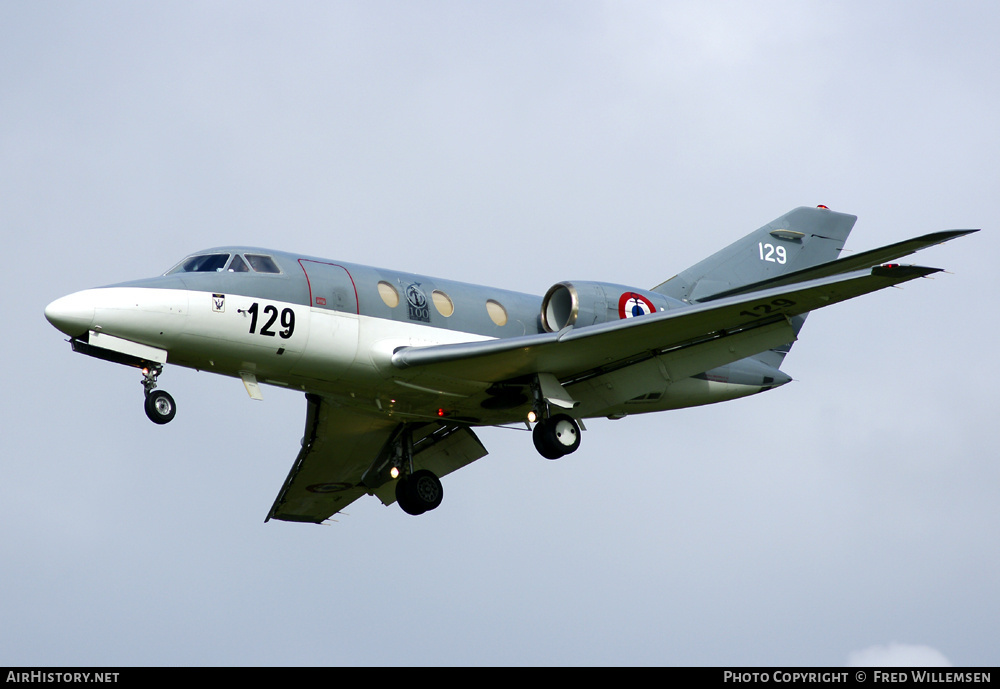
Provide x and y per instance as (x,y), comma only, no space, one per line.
(417,302)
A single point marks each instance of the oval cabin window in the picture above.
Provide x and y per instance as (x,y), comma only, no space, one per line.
(443,303)
(389,294)
(498,314)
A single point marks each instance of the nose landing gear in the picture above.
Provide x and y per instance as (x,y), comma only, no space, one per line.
(160,406)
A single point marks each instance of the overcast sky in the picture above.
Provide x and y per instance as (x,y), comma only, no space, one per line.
(848,517)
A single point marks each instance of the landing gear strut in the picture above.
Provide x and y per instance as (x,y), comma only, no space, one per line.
(554,435)
(416,491)
(160,406)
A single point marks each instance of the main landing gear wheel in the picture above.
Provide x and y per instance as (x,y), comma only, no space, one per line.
(419,492)
(160,406)
(556,436)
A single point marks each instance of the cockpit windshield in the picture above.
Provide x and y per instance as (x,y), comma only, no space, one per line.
(238,265)
(263,264)
(218,263)
(209,263)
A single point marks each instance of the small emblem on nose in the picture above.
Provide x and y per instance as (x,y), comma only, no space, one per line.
(219,303)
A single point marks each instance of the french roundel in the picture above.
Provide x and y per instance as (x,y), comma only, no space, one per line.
(631,304)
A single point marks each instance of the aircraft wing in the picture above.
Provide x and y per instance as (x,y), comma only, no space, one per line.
(340,448)
(345,451)
(573,353)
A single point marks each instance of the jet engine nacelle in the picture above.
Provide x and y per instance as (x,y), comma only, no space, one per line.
(586,303)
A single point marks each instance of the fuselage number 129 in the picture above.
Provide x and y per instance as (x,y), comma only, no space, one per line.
(271,315)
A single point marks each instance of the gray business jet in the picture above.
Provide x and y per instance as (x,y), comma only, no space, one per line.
(398,369)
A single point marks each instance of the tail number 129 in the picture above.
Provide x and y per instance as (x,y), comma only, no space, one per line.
(771,253)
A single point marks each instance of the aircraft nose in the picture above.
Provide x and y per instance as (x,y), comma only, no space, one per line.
(72,314)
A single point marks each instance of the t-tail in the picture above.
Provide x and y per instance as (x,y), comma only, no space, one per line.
(803,244)
(798,240)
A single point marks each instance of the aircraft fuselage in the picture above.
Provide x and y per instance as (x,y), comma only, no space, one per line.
(331,328)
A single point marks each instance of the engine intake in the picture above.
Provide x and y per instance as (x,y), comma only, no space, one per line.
(587,303)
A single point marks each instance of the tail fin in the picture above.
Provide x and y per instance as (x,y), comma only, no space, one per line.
(798,240)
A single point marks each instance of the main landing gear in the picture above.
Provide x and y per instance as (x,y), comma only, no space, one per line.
(417,491)
(556,436)
(160,406)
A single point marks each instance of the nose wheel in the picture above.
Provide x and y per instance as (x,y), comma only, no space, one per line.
(160,406)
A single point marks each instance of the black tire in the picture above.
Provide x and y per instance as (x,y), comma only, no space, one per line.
(544,441)
(556,436)
(404,497)
(160,407)
(425,489)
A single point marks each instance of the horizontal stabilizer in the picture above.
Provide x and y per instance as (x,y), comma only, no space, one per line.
(865,259)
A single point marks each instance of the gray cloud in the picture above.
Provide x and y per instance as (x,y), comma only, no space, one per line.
(898,655)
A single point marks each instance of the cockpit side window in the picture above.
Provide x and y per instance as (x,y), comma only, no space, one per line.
(262,264)
(238,265)
(207,263)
